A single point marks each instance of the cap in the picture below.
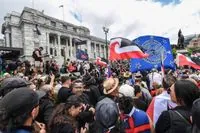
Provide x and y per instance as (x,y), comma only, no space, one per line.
(127,90)
(107,112)
(9,84)
(18,102)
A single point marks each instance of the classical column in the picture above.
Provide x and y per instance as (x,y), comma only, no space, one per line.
(71,48)
(58,49)
(101,50)
(47,44)
(7,32)
(89,48)
(66,48)
(95,50)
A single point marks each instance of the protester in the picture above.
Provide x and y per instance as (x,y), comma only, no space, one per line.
(38,58)
(65,91)
(111,86)
(12,83)
(18,110)
(177,120)
(91,85)
(146,96)
(63,118)
(195,116)
(107,117)
(161,102)
(46,104)
(134,120)
(129,91)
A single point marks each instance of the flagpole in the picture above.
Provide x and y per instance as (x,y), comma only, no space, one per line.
(162,64)
(33,4)
(105,29)
(62,6)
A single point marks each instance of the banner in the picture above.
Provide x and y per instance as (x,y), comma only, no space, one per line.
(154,46)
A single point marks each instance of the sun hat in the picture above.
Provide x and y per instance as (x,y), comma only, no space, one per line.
(110,85)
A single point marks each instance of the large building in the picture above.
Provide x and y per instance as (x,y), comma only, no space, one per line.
(195,42)
(32,28)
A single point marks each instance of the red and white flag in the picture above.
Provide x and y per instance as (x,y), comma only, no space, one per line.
(101,61)
(121,48)
(182,60)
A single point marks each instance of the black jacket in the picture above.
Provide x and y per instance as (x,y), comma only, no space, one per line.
(171,122)
(63,94)
(45,110)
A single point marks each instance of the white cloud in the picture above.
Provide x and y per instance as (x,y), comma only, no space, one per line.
(127,18)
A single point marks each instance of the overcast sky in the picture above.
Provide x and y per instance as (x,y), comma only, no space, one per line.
(125,18)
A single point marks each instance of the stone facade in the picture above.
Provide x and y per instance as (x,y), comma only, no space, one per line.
(21,31)
(2,43)
(195,42)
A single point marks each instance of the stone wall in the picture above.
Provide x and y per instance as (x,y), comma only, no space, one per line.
(2,42)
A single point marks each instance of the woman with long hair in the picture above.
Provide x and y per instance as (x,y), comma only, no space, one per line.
(177,120)
(63,119)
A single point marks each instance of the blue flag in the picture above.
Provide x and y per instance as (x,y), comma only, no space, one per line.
(77,16)
(81,55)
(155,46)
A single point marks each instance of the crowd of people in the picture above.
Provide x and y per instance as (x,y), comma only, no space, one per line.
(83,97)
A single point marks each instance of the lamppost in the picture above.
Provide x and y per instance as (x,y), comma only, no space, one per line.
(105,29)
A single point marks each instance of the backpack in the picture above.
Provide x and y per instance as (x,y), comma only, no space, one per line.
(136,123)
(34,54)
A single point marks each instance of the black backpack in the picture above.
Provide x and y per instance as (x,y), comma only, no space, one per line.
(34,55)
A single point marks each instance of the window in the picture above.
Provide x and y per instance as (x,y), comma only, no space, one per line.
(55,52)
(65,27)
(53,23)
(63,41)
(62,52)
(98,49)
(92,47)
(74,29)
(51,39)
(51,51)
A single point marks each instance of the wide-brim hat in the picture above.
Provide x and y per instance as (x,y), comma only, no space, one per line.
(127,74)
(110,85)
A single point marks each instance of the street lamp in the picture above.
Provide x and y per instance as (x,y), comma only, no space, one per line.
(105,29)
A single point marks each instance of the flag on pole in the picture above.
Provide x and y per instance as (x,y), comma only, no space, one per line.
(77,16)
(81,55)
(153,46)
(121,48)
(60,6)
(182,60)
(101,62)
